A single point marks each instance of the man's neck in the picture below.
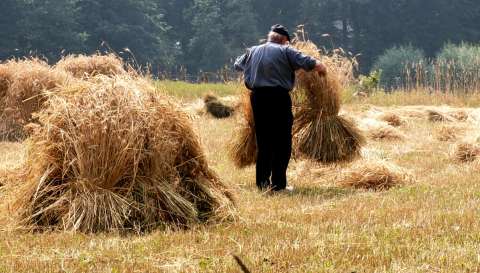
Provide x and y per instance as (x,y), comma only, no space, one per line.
(273,41)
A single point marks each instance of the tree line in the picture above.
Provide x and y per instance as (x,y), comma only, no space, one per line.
(192,36)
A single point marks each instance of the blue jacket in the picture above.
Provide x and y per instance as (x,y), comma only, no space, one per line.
(271,65)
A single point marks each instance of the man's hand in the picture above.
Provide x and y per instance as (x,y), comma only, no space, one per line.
(320,68)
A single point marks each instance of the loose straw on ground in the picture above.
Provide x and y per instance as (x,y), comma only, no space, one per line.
(376,175)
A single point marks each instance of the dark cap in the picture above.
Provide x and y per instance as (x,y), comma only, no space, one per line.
(281,30)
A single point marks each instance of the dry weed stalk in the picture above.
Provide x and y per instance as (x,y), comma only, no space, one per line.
(376,175)
(243,142)
(322,134)
(112,154)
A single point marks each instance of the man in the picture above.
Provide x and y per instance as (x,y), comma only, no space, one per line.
(269,71)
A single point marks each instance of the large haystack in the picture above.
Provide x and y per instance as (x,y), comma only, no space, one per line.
(111,154)
(243,142)
(323,134)
(84,67)
(376,175)
(21,90)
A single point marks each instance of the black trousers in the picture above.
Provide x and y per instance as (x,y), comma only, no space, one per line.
(272,113)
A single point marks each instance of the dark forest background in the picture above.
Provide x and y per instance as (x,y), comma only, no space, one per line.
(174,36)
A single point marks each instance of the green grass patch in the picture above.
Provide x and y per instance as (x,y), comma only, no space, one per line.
(187,90)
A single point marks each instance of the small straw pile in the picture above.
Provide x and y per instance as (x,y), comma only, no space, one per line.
(454,131)
(215,107)
(376,175)
(436,114)
(380,129)
(392,119)
(467,150)
(112,154)
(82,66)
(323,134)
(21,85)
(243,142)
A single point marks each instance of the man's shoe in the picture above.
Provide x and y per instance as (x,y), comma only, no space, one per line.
(289,188)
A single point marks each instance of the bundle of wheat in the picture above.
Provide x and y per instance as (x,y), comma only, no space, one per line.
(323,134)
(82,66)
(242,146)
(467,150)
(392,119)
(6,74)
(22,90)
(376,175)
(112,154)
(215,107)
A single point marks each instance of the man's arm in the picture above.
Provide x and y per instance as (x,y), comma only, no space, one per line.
(240,62)
(308,63)
(320,67)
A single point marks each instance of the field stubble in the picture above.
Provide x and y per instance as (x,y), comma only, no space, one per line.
(430,225)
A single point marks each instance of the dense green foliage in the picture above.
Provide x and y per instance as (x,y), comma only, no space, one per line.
(207,35)
(395,62)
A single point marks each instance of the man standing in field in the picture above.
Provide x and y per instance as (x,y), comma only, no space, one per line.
(269,71)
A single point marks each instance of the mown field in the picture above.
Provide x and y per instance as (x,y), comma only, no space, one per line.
(429,225)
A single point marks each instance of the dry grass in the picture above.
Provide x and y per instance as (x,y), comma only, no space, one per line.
(411,111)
(456,131)
(376,175)
(448,133)
(111,155)
(429,226)
(322,134)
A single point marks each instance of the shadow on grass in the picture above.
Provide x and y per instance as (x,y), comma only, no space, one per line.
(327,192)
(324,192)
